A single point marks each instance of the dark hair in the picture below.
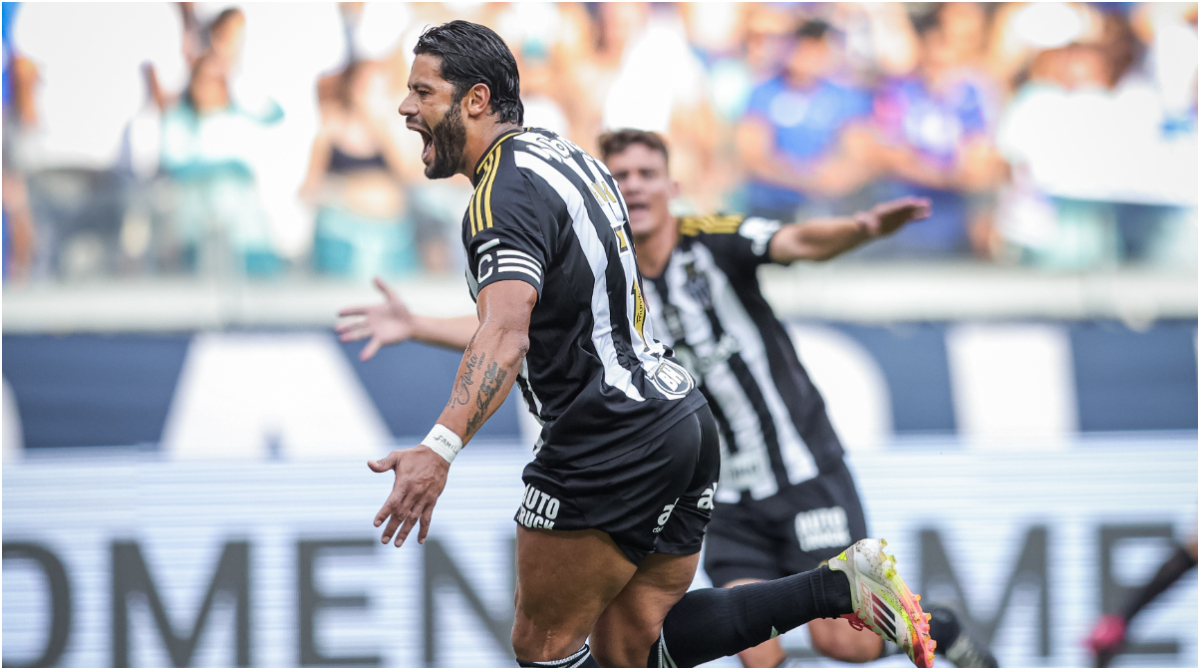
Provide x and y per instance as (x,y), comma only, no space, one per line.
(474,54)
(814,29)
(619,140)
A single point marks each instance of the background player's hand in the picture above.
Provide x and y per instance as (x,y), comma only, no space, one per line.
(887,217)
(388,322)
(420,478)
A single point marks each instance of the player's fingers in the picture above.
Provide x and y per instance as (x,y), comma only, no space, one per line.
(354,334)
(370,350)
(426,519)
(349,324)
(410,520)
(384,289)
(384,464)
(390,529)
(354,311)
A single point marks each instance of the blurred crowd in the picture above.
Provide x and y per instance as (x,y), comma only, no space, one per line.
(263,141)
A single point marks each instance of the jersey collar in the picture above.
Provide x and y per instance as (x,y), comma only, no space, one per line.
(492,148)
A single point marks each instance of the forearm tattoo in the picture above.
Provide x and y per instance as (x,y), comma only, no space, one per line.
(493,379)
(489,387)
(462,393)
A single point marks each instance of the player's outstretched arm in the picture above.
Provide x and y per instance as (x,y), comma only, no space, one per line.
(390,322)
(489,367)
(822,239)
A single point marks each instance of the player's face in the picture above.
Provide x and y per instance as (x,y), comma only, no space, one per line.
(641,174)
(431,110)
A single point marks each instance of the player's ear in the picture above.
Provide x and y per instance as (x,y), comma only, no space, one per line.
(478,100)
(675,189)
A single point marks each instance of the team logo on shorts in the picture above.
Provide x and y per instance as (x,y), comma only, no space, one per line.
(671,379)
(538,510)
(665,516)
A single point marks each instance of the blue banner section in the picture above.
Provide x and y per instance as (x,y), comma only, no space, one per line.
(94,390)
(1127,380)
(410,384)
(912,356)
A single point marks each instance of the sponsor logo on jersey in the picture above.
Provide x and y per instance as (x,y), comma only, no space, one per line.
(671,379)
(538,510)
(822,528)
(706,498)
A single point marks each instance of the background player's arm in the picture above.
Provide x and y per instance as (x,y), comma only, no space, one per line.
(390,322)
(822,239)
(489,367)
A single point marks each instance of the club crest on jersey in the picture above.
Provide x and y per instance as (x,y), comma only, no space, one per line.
(670,378)
(697,286)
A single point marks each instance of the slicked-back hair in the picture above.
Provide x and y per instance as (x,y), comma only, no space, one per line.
(474,54)
(619,140)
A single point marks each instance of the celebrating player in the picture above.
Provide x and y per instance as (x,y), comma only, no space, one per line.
(622,485)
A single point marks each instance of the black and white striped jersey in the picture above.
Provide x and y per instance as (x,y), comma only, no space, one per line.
(711,311)
(547,213)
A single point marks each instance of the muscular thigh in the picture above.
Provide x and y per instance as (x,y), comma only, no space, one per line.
(565,579)
(631,623)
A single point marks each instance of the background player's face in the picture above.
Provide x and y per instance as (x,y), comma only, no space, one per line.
(432,111)
(641,174)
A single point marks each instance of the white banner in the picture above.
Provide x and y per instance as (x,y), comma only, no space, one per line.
(129,559)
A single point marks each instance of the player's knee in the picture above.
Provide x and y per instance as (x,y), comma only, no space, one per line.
(541,643)
(769,654)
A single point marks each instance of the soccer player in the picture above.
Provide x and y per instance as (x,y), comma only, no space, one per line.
(622,484)
(786,500)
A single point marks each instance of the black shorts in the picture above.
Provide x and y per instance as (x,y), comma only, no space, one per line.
(657,497)
(788,533)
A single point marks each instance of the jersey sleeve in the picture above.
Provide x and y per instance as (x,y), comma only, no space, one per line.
(508,233)
(739,242)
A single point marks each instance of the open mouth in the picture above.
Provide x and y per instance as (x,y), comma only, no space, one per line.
(637,207)
(427,138)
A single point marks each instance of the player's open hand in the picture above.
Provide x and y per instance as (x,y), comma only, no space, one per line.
(887,217)
(388,322)
(420,478)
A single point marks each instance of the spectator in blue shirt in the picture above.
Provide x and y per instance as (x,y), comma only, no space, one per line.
(804,138)
(937,145)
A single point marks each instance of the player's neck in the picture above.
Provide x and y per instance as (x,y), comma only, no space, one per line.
(478,143)
(654,250)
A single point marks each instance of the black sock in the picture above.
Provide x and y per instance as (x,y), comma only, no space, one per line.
(708,624)
(580,659)
(954,643)
(943,626)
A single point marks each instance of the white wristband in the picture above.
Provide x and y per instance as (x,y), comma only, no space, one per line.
(444,442)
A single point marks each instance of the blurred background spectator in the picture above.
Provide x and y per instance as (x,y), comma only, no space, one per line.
(804,139)
(1054,135)
(354,180)
(209,150)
